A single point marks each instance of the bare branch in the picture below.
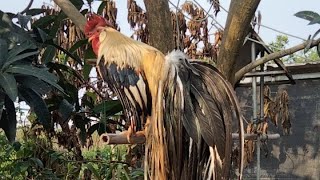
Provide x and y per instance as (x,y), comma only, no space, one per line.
(72,12)
(273,56)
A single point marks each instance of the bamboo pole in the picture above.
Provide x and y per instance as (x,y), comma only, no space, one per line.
(122,138)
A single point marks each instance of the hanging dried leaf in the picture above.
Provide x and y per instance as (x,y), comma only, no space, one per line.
(216,6)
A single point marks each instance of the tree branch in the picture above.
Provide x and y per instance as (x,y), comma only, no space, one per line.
(237,28)
(72,12)
(273,56)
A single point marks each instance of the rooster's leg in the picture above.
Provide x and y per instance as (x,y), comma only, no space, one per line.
(132,130)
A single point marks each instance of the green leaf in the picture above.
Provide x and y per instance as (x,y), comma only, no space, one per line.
(86,71)
(35,101)
(35,11)
(37,162)
(99,127)
(73,56)
(22,166)
(16,145)
(136,173)
(34,83)
(18,57)
(109,107)
(9,84)
(77,3)
(8,121)
(121,170)
(78,44)
(89,54)
(20,48)
(3,51)
(41,33)
(41,73)
(315,21)
(311,16)
(65,109)
(44,21)
(49,53)
(101,7)
(65,68)
(93,170)
(56,25)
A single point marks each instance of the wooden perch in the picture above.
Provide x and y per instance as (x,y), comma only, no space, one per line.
(121,138)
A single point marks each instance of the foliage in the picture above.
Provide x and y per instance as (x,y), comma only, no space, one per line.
(21,76)
(36,157)
(282,42)
(314,18)
(47,66)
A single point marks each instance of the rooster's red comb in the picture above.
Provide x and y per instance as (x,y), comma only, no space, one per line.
(93,21)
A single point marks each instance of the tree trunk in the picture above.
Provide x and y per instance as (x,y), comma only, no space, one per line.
(159,25)
(237,28)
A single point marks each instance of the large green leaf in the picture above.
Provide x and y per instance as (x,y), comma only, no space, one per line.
(37,104)
(18,57)
(35,11)
(56,25)
(9,85)
(65,109)
(3,51)
(86,71)
(108,107)
(311,16)
(48,55)
(44,21)
(68,69)
(101,7)
(20,48)
(34,83)
(8,121)
(41,73)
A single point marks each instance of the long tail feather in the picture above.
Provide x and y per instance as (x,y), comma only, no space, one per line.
(190,133)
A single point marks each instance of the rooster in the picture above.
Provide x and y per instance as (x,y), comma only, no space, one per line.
(184,108)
